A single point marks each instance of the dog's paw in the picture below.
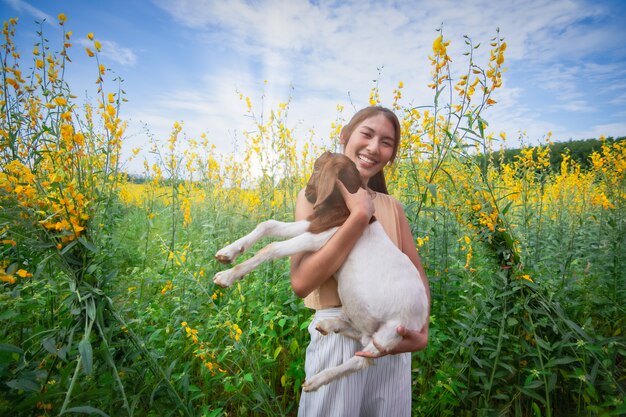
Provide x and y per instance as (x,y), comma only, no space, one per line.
(225,278)
(329,326)
(314,383)
(321,329)
(228,254)
(308,387)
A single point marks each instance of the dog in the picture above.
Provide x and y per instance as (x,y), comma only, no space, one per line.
(379,287)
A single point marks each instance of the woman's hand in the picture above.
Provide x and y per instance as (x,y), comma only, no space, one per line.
(412,341)
(359,202)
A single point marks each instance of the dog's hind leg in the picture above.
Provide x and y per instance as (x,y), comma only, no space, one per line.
(270,228)
(307,242)
(387,337)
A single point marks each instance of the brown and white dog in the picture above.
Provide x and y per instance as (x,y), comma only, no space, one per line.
(380,288)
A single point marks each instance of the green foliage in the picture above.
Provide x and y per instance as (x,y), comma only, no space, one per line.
(579,150)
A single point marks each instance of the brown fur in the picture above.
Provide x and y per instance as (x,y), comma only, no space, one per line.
(329,208)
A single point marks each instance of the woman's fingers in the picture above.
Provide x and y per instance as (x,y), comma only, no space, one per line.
(342,189)
(360,200)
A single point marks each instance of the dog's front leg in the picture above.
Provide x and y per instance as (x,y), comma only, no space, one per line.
(307,242)
(271,228)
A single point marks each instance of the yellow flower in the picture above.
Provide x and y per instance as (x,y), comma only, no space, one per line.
(90,36)
(62,18)
(79,139)
(60,101)
(22,273)
(97,45)
(437,45)
(168,287)
(12,83)
(89,52)
(6,278)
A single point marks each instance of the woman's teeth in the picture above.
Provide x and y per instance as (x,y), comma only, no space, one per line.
(366,159)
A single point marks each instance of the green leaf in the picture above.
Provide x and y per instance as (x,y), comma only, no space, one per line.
(433,190)
(560,361)
(68,247)
(154,336)
(533,394)
(24,384)
(9,314)
(481,127)
(543,344)
(533,384)
(10,348)
(49,344)
(277,351)
(248,377)
(86,409)
(294,346)
(88,245)
(90,307)
(86,355)
(508,206)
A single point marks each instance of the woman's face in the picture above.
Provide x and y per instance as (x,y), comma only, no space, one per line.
(371,145)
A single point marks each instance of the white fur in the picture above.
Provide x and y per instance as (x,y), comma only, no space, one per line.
(380,288)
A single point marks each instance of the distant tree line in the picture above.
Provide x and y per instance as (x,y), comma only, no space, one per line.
(579,151)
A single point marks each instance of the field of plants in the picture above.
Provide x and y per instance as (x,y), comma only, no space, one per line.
(107,306)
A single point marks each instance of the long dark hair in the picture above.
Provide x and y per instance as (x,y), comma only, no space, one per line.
(377,182)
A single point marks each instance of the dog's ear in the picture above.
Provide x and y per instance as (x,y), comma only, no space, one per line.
(349,175)
(310,192)
(326,183)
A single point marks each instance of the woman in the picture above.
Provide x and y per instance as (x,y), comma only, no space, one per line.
(371,140)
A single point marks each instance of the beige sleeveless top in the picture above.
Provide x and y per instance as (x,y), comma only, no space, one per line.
(386,212)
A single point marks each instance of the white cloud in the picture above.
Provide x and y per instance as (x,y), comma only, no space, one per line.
(116,53)
(608,130)
(113,51)
(21,6)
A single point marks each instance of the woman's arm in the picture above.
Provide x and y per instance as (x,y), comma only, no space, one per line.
(310,270)
(412,340)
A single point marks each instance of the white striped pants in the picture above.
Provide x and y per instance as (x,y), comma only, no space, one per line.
(381,390)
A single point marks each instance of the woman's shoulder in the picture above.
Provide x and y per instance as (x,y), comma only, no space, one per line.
(304,207)
(389,200)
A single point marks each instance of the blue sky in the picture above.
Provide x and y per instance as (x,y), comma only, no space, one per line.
(184,60)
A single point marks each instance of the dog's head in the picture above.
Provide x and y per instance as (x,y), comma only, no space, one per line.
(328,167)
